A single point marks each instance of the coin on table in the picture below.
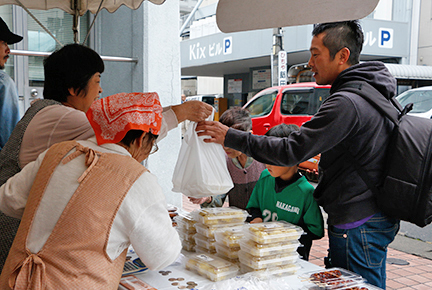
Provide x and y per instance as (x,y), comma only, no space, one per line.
(182,287)
(172,279)
(174,283)
(191,283)
(180,279)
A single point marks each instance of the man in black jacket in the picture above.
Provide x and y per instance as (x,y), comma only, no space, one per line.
(346,127)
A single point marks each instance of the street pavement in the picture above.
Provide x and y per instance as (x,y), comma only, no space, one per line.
(413,231)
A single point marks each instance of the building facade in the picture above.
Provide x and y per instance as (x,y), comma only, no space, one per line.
(244,59)
(148,37)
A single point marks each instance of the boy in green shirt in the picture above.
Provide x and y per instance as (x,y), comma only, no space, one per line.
(282,193)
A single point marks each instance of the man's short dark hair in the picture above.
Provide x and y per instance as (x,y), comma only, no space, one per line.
(72,66)
(237,118)
(347,34)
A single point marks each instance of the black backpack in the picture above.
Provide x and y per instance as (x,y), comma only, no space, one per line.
(406,189)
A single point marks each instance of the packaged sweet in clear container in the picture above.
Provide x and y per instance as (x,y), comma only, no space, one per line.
(230,237)
(272,232)
(212,267)
(220,215)
(261,250)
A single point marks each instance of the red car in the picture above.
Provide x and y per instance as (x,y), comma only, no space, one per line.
(290,104)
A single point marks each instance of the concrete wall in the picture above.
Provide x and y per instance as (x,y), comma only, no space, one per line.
(210,85)
(151,35)
(425,39)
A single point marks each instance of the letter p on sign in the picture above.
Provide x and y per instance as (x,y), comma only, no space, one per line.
(227,45)
(385,38)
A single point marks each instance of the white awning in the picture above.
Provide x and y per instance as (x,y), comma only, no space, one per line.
(82,5)
(242,15)
(410,72)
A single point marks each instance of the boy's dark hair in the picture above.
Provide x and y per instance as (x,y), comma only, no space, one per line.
(237,118)
(72,66)
(282,130)
(347,34)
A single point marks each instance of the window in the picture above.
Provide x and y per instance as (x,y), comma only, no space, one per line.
(304,102)
(59,23)
(262,105)
(422,100)
(320,95)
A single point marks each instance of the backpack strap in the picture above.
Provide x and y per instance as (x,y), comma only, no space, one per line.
(387,107)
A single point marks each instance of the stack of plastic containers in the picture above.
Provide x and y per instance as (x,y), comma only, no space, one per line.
(270,248)
(211,220)
(186,230)
(228,242)
(212,267)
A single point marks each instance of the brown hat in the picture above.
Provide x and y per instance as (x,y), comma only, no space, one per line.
(6,35)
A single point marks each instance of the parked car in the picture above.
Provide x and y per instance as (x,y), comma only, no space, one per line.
(290,104)
(422,100)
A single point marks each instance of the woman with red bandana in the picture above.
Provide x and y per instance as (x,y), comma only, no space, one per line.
(82,203)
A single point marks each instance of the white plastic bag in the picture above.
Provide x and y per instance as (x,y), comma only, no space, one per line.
(201,168)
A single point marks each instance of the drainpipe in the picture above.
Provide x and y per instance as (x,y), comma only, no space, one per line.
(415,26)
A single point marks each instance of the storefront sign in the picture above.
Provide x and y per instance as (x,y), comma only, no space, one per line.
(384,39)
(282,61)
(261,79)
(234,86)
(199,51)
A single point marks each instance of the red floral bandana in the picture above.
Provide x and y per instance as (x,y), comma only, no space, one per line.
(113,116)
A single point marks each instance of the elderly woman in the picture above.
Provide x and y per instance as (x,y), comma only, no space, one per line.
(83,203)
(72,83)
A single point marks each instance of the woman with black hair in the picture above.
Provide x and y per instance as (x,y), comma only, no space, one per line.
(72,84)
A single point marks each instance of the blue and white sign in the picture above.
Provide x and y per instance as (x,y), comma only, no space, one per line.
(385,39)
(227,45)
(282,64)
(199,51)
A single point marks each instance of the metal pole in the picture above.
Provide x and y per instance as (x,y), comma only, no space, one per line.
(190,16)
(46,54)
(76,21)
(276,47)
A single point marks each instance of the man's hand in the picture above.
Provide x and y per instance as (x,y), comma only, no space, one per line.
(256,220)
(215,130)
(201,200)
(192,110)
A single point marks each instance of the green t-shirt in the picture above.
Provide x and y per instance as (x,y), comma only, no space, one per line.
(293,203)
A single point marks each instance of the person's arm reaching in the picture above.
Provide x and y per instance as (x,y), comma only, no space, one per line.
(195,111)
(173,115)
(335,120)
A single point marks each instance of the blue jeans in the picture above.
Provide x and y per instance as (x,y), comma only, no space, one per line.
(363,250)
